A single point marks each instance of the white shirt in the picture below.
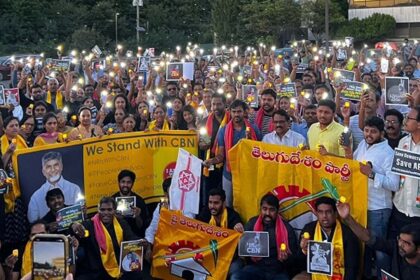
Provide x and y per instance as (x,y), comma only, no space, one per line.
(291,139)
(152,228)
(405,197)
(380,189)
(38,208)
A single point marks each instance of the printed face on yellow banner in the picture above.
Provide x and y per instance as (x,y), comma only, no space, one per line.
(94,164)
(296,177)
(185,247)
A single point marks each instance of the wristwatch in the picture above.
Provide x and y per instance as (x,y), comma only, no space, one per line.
(372,175)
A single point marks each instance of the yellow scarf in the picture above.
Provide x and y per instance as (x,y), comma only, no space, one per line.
(152,125)
(27,259)
(338,257)
(58,99)
(109,259)
(14,192)
(223,220)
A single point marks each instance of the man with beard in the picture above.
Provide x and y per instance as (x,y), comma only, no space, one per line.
(264,114)
(283,135)
(282,242)
(369,103)
(102,244)
(238,128)
(393,127)
(52,168)
(328,228)
(140,219)
(217,214)
(217,119)
(309,118)
(404,251)
(324,135)
(408,71)
(374,149)
(36,94)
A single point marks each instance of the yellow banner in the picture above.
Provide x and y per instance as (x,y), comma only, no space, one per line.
(189,249)
(296,177)
(93,164)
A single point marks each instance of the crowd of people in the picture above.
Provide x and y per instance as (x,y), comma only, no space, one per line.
(104,96)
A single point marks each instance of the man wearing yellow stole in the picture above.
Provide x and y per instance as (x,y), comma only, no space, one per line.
(101,238)
(328,228)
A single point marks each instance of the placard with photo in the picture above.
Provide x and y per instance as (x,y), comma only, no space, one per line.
(12,96)
(131,256)
(2,96)
(254,244)
(250,95)
(125,205)
(178,70)
(320,258)
(396,90)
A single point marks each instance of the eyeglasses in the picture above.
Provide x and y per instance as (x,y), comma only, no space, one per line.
(391,122)
(171,88)
(408,118)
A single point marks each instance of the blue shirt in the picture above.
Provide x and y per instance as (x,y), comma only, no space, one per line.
(237,135)
(301,128)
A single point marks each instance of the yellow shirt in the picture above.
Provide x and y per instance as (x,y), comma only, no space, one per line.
(328,137)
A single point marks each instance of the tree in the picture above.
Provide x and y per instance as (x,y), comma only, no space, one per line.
(314,15)
(225,20)
(271,21)
(373,28)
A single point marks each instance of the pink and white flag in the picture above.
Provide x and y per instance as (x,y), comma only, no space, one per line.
(184,193)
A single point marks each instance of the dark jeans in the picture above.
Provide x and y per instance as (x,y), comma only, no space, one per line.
(253,272)
(399,220)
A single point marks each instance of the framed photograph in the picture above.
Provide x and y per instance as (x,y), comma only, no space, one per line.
(125,205)
(396,90)
(178,70)
(143,64)
(250,95)
(341,54)
(320,258)
(254,244)
(12,96)
(131,256)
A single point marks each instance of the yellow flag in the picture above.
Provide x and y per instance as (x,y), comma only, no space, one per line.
(296,177)
(186,247)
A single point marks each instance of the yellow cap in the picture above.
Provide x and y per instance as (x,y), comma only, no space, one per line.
(306,235)
(342,199)
(283,247)
(86,233)
(15,253)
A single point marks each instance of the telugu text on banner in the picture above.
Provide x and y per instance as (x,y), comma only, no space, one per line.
(186,247)
(296,177)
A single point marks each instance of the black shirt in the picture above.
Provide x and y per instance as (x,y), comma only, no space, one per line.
(144,215)
(232,216)
(272,263)
(393,143)
(351,249)
(400,268)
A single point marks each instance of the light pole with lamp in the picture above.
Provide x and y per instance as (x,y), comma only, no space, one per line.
(116,29)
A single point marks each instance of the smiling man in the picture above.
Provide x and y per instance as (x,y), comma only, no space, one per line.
(102,244)
(283,135)
(52,168)
(140,219)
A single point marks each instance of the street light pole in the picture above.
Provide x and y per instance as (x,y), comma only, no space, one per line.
(116,29)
